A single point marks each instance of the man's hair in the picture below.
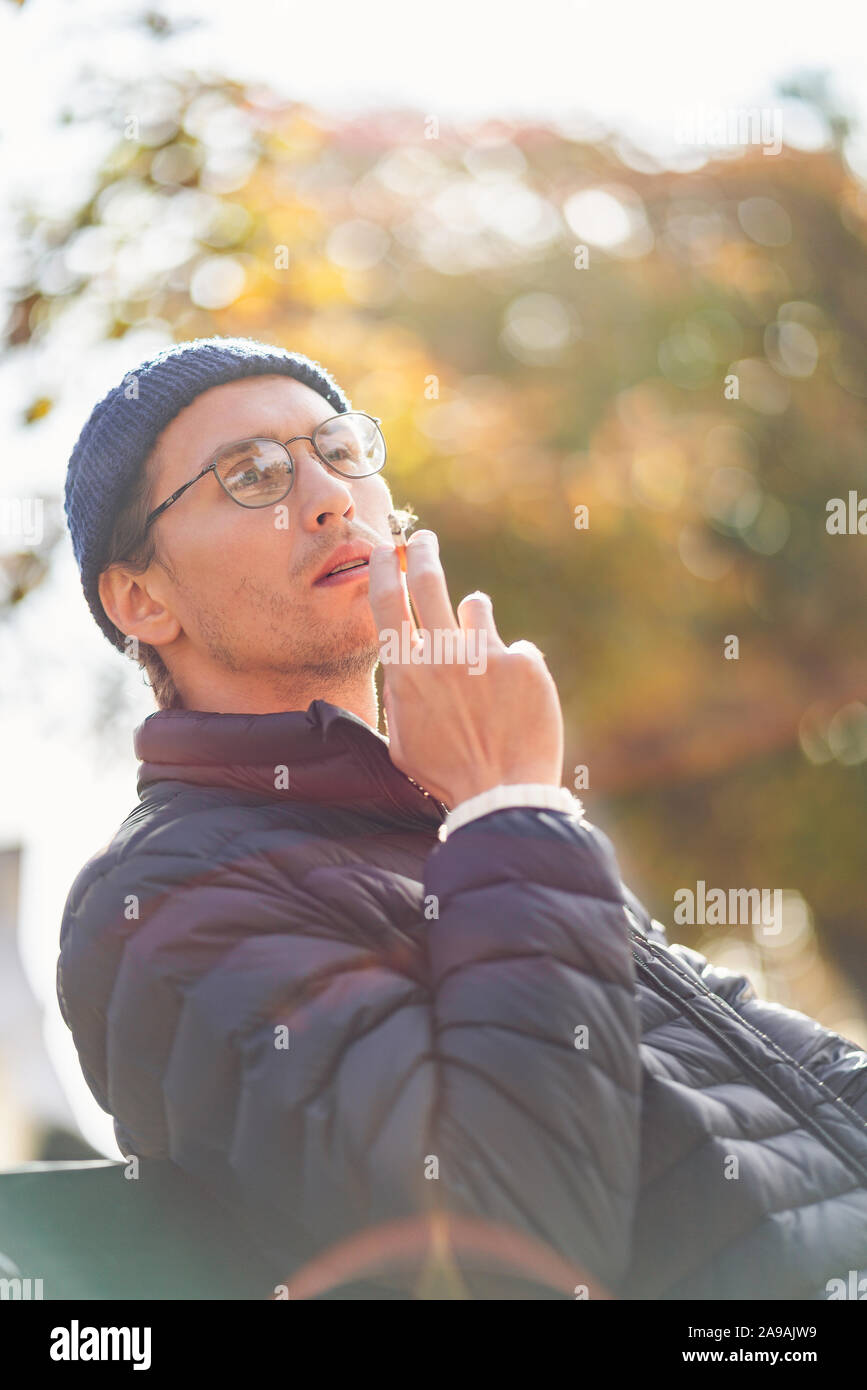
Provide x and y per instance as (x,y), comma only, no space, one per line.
(136,549)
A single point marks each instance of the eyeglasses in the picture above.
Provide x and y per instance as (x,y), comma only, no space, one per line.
(260,472)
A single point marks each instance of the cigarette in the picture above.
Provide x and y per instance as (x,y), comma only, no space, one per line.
(398,529)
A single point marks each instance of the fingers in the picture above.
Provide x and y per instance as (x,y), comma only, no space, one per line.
(477,611)
(386,591)
(386,704)
(525,648)
(427,583)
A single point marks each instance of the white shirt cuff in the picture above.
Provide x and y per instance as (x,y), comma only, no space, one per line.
(536,794)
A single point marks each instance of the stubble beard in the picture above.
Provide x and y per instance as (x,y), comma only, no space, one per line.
(313,650)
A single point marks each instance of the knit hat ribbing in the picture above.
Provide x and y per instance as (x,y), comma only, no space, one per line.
(124,426)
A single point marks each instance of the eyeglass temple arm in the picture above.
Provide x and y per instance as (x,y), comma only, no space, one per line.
(179,492)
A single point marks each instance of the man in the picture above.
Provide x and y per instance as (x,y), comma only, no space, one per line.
(359,987)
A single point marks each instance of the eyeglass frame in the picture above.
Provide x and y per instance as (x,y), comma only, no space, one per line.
(211,467)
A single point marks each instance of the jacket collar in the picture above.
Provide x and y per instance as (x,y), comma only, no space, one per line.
(330,756)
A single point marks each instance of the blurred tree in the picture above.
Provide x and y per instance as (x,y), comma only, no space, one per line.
(545,325)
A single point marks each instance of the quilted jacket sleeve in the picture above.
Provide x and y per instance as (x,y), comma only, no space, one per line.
(333,1073)
(841,1065)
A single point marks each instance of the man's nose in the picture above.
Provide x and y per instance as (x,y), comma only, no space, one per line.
(319,491)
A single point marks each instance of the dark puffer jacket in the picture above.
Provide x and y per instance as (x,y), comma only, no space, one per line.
(491,1026)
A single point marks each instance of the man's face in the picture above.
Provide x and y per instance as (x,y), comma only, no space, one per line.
(243,587)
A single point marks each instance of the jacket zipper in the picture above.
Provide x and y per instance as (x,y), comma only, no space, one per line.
(765,1082)
(426,793)
(373,767)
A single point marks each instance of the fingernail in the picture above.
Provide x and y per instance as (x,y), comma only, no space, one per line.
(480,593)
(424,536)
(378,553)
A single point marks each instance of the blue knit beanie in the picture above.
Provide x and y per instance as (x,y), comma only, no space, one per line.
(123,429)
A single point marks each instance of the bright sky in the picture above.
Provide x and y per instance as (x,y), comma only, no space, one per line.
(637,67)
(631,64)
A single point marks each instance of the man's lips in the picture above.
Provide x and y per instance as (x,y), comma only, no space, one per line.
(355,556)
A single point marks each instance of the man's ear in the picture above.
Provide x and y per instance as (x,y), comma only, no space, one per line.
(133,609)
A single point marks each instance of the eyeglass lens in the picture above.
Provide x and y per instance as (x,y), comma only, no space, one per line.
(259,471)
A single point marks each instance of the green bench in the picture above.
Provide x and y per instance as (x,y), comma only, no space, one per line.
(88,1232)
